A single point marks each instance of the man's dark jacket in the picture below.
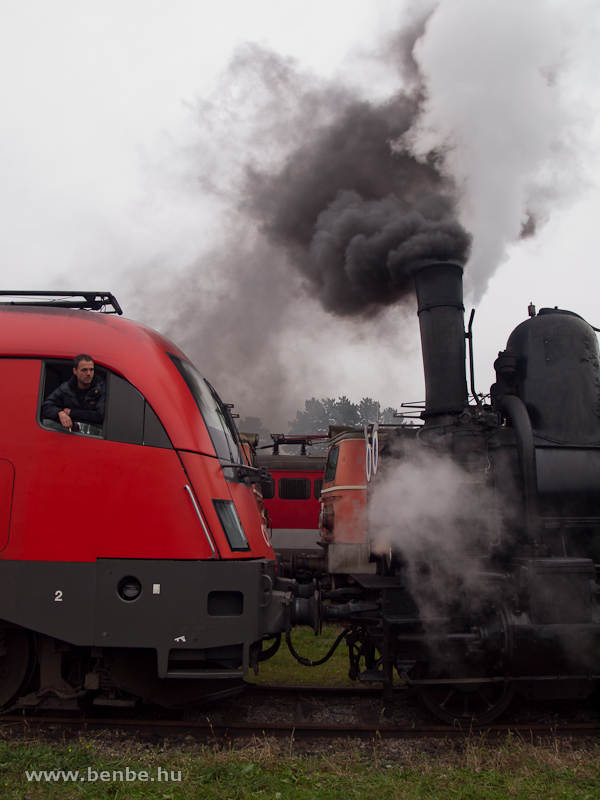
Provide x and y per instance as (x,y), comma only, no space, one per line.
(89,407)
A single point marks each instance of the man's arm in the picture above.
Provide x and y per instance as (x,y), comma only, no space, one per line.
(53,405)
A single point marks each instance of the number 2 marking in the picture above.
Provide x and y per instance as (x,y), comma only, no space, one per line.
(58,596)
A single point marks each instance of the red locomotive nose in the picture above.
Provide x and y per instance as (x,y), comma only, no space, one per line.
(172,570)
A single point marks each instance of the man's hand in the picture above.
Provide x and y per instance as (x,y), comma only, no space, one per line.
(65,418)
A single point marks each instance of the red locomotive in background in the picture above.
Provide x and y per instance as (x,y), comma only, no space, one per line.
(292,498)
(133,557)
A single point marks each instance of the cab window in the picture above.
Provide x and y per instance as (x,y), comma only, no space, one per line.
(216,416)
(128,417)
(294,488)
(267,489)
(331,466)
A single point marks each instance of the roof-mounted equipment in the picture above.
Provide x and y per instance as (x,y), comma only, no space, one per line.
(104,302)
(303,439)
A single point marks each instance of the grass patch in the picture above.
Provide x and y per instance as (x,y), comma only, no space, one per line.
(284,670)
(268,769)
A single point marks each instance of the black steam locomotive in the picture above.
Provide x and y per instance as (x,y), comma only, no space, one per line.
(486,566)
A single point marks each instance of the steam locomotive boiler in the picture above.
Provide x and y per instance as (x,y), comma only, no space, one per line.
(134,562)
(476,550)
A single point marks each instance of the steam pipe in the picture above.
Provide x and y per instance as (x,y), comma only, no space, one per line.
(469,336)
(514,408)
(441,321)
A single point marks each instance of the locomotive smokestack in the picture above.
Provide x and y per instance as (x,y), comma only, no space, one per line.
(441,320)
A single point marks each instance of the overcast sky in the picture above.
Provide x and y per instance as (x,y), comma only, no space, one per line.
(127,126)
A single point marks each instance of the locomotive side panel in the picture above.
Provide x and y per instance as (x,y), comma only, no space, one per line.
(61,510)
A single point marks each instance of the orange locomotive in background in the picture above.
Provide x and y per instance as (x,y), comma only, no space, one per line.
(343,522)
(350,472)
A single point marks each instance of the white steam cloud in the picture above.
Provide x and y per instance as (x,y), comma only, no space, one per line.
(442,520)
(495,108)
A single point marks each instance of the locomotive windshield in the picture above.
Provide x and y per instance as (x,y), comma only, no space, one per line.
(331,466)
(218,421)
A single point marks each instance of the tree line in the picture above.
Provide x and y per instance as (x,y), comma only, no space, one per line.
(318,415)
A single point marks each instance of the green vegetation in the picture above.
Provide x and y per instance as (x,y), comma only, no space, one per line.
(318,415)
(284,670)
(269,769)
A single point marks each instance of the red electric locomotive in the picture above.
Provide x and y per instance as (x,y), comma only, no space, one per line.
(133,557)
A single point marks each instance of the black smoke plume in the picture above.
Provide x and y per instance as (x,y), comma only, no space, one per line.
(322,194)
(355,213)
(317,208)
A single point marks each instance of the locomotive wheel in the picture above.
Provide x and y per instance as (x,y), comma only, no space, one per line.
(477,702)
(15,663)
(466,703)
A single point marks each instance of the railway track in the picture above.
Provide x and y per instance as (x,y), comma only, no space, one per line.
(310,713)
(202,731)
